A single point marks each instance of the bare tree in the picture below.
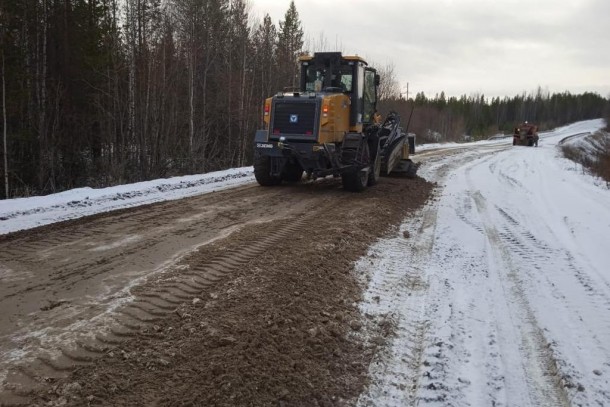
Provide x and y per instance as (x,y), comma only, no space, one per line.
(6,189)
(389,87)
(320,44)
(42,101)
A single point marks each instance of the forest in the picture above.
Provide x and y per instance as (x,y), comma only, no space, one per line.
(475,117)
(105,92)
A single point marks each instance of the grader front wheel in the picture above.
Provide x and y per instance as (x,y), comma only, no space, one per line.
(355,181)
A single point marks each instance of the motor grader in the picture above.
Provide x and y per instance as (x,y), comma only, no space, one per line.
(526,134)
(329,126)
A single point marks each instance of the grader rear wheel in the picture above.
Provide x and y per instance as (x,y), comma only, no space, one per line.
(262,171)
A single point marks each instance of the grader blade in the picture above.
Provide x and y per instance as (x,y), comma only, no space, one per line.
(392,139)
(392,153)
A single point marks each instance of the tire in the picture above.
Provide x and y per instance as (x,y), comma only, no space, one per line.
(412,170)
(374,175)
(355,181)
(292,173)
(262,171)
(514,142)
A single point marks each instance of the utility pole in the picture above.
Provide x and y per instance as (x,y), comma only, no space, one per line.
(5,124)
(407,98)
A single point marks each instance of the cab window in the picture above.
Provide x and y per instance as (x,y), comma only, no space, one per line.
(315,79)
(346,82)
(370,97)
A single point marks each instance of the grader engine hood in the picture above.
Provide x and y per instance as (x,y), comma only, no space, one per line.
(295,118)
(321,117)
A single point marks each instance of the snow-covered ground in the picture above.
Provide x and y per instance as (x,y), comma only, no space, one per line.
(589,145)
(27,213)
(500,291)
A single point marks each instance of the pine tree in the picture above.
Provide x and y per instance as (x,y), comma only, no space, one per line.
(289,46)
(265,60)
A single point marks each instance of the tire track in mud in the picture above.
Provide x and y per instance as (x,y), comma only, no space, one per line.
(62,261)
(273,280)
(187,282)
(127,320)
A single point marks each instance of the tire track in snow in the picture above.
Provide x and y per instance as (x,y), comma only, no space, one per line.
(463,358)
(575,293)
(397,295)
(537,360)
(407,290)
(566,293)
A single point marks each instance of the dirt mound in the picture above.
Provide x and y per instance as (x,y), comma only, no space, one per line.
(280,329)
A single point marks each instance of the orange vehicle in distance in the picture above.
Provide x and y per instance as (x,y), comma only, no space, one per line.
(526,134)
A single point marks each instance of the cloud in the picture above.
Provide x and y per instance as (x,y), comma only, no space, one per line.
(498,48)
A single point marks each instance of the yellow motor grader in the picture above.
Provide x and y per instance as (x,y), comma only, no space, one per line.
(329,126)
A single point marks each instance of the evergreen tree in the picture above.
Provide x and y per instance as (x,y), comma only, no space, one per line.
(103,92)
(264,63)
(289,46)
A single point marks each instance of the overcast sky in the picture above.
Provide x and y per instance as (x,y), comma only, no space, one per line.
(498,48)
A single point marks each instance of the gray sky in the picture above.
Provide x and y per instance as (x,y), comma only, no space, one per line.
(498,48)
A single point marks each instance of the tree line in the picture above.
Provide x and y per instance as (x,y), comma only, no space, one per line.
(442,118)
(105,92)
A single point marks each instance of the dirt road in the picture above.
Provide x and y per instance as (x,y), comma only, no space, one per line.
(238,297)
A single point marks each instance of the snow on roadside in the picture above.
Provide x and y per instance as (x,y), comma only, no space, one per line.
(500,292)
(26,213)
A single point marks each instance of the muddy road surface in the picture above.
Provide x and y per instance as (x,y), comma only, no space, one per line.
(240,297)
